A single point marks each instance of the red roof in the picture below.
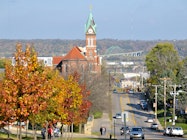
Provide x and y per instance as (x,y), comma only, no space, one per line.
(74,54)
(57,59)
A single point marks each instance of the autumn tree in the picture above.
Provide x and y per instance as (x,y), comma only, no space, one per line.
(25,87)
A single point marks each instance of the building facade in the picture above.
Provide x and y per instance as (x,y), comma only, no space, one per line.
(83,59)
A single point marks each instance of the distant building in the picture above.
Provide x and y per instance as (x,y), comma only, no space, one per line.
(47,61)
(82,58)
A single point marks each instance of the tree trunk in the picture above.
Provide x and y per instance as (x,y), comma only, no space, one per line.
(20,132)
(27,123)
(46,133)
(80,128)
(35,137)
(8,130)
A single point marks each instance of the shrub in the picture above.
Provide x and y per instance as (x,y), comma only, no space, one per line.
(97,115)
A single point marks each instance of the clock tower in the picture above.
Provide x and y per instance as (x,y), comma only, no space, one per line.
(90,32)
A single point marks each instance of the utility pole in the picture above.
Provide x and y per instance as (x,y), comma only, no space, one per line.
(165,80)
(142,76)
(156,93)
(174,93)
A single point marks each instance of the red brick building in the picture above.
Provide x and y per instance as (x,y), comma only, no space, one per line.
(82,58)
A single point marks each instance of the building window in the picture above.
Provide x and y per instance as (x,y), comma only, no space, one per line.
(89,42)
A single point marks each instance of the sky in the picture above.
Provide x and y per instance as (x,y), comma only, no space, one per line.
(115,19)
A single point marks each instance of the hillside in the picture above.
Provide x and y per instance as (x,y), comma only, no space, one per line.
(57,47)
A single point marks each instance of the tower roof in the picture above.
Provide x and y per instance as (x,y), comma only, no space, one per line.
(90,23)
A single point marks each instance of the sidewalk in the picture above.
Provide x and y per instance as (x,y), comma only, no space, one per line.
(104,121)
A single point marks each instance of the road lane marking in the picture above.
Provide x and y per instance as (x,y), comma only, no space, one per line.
(123,109)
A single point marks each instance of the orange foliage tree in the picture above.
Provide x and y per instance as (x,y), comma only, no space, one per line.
(25,87)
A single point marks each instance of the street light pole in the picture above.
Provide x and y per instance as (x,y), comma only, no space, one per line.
(114,129)
(142,76)
(156,93)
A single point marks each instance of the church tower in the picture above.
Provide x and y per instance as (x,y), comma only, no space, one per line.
(91,47)
(90,32)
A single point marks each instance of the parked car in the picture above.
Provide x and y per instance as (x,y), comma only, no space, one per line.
(131,91)
(145,106)
(154,126)
(150,120)
(123,130)
(118,116)
(136,132)
(167,130)
(114,91)
(176,131)
(142,103)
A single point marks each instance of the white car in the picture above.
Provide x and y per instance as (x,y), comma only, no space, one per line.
(167,130)
(176,131)
(150,120)
(118,116)
(154,126)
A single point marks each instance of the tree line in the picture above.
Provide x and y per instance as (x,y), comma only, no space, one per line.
(31,91)
(58,47)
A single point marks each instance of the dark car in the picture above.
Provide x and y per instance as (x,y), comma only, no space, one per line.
(124,129)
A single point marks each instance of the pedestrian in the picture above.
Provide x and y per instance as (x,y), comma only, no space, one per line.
(50,131)
(43,132)
(101,130)
(104,130)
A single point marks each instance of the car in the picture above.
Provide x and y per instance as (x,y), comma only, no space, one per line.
(114,91)
(150,120)
(118,116)
(176,131)
(154,126)
(142,102)
(130,91)
(145,106)
(123,129)
(167,130)
(136,132)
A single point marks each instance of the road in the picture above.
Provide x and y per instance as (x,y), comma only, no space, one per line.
(129,103)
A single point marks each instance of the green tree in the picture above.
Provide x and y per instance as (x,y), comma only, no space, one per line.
(163,61)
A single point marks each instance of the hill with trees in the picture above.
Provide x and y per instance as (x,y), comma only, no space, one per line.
(58,47)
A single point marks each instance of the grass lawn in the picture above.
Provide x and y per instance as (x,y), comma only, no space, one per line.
(161,120)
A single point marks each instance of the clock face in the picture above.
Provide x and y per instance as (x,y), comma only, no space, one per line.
(90,31)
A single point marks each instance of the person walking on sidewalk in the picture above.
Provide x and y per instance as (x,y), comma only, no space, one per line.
(104,130)
(101,130)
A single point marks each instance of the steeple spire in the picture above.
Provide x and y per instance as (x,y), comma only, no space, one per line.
(90,22)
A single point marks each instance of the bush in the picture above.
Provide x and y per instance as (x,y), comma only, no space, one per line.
(97,115)
(181,120)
